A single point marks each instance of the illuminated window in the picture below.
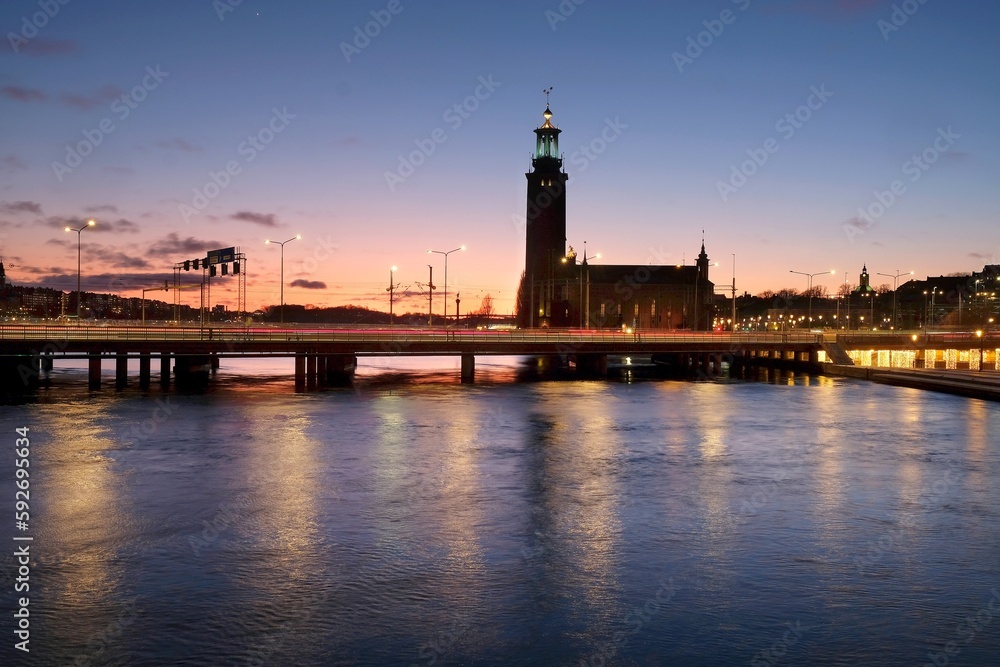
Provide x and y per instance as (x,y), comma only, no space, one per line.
(602,310)
(637,310)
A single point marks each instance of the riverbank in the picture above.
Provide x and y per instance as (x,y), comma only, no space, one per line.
(972,384)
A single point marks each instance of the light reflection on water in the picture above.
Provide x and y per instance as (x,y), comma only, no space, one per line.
(427,522)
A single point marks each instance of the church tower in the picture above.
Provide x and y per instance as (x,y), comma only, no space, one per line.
(544,283)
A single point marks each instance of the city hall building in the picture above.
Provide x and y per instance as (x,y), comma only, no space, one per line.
(561,288)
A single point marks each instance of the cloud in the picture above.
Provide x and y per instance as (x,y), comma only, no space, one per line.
(115,258)
(103,96)
(22,94)
(308,284)
(120,225)
(12,163)
(20,207)
(179,144)
(41,46)
(262,219)
(982,257)
(101,208)
(186,248)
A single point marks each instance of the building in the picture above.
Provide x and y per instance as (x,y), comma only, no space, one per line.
(561,289)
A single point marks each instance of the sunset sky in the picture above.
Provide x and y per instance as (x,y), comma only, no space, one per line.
(771,124)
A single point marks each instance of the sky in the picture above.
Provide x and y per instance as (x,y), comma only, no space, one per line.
(800,135)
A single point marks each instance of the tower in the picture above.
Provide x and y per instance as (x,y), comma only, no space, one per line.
(863,282)
(545,274)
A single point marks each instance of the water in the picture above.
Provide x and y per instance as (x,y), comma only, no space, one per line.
(824,521)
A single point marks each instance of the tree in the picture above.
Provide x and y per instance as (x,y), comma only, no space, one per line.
(521,304)
(486,308)
(884,288)
(844,289)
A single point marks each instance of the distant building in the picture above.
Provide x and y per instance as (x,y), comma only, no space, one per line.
(561,289)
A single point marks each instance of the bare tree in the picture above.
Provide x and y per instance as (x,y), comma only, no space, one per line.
(486,308)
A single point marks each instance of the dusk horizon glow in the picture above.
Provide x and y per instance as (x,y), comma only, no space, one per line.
(800,136)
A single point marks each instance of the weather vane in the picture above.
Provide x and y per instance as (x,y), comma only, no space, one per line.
(547,91)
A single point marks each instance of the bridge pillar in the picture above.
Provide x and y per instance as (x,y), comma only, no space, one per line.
(592,365)
(19,373)
(46,360)
(468,368)
(340,369)
(300,372)
(192,369)
(322,364)
(164,368)
(94,371)
(144,373)
(121,370)
(215,362)
(310,371)
(717,364)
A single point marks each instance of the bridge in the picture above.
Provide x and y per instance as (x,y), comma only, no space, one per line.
(328,356)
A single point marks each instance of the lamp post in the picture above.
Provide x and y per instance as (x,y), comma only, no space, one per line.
(445,253)
(585,301)
(895,285)
(979,335)
(79,294)
(811,276)
(390,290)
(282,244)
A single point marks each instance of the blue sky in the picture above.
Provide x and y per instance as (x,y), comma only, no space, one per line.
(651,139)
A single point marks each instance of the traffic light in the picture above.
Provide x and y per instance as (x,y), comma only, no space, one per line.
(225,269)
(166,286)
(196,262)
(211,271)
(236,268)
(187,264)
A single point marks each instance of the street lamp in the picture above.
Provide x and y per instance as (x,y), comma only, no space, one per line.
(282,244)
(585,301)
(811,276)
(390,290)
(979,335)
(445,253)
(90,223)
(895,285)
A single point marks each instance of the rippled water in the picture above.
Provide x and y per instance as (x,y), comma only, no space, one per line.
(543,523)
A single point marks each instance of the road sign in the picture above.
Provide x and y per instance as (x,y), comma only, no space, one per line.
(221,256)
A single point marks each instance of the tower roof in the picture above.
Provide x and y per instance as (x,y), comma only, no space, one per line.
(547,115)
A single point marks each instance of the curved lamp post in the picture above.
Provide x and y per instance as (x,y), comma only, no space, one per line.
(445,253)
(282,244)
(79,295)
(895,286)
(811,276)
